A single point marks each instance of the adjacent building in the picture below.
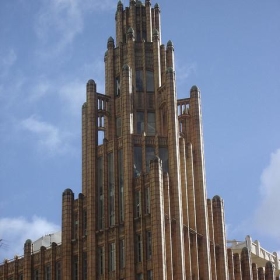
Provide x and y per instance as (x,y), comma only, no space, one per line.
(142,212)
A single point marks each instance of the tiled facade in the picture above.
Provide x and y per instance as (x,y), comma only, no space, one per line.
(143,211)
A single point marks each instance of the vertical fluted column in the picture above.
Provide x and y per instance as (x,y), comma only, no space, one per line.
(175,176)
(246,267)
(185,210)
(237,267)
(67,228)
(27,259)
(220,237)
(80,235)
(269,271)
(230,264)
(148,20)
(157,219)
(157,74)
(128,170)
(157,24)
(212,240)
(170,55)
(84,148)
(162,63)
(169,261)
(110,84)
(119,24)
(92,143)
(192,211)
(199,182)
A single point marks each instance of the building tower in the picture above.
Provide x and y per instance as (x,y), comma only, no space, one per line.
(144,186)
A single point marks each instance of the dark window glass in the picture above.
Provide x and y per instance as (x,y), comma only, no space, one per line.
(150,153)
(139,80)
(151,124)
(140,122)
(163,154)
(150,86)
(117,87)
(137,161)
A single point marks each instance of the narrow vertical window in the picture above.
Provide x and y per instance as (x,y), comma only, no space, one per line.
(84,266)
(121,194)
(140,122)
(139,80)
(137,161)
(111,189)
(119,126)
(36,274)
(122,254)
(138,248)
(75,226)
(147,201)
(100,193)
(100,260)
(117,87)
(58,271)
(84,222)
(48,272)
(150,86)
(137,203)
(163,154)
(151,130)
(150,153)
(75,268)
(149,245)
(149,275)
(112,260)
(139,276)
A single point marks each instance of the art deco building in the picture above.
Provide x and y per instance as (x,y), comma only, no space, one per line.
(143,212)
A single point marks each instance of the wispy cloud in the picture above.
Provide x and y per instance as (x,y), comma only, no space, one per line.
(7,60)
(60,21)
(15,231)
(267,214)
(50,138)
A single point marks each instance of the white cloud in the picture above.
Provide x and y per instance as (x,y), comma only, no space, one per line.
(60,21)
(267,215)
(49,136)
(7,60)
(15,231)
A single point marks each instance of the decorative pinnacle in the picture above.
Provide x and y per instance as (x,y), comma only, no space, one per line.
(90,82)
(155,32)
(156,6)
(169,70)
(194,88)
(169,43)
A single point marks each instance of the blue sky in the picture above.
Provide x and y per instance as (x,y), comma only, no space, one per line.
(50,48)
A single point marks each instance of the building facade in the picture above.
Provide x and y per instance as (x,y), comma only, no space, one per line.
(143,212)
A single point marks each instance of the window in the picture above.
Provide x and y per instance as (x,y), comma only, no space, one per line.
(111,189)
(140,122)
(147,201)
(150,153)
(58,271)
(48,272)
(112,257)
(84,266)
(100,193)
(139,276)
(137,161)
(117,87)
(75,268)
(150,81)
(121,194)
(137,204)
(163,154)
(151,124)
(100,260)
(36,274)
(119,126)
(149,245)
(149,275)
(122,253)
(139,80)
(75,229)
(138,248)
(84,223)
